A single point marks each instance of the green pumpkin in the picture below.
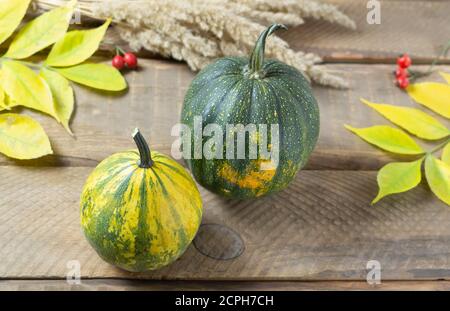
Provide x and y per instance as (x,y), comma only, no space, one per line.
(245,91)
(140,210)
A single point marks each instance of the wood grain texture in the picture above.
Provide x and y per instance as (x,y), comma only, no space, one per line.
(147,285)
(103,123)
(420,28)
(321,228)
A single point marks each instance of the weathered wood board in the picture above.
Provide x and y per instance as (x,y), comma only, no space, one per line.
(316,235)
(419,27)
(148,285)
(321,228)
(103,124)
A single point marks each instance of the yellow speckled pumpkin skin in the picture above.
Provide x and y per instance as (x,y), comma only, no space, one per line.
(136,218)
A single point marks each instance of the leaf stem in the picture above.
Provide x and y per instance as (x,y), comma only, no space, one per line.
(29,64)
(440,146)
(119,50)
(32,65)
(418,74)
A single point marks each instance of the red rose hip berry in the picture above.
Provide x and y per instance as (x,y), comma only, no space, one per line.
(118,62)
(402,82)
(131,60)
(400,72)
(404,61)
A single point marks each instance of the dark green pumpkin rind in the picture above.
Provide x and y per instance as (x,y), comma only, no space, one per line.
(223,94)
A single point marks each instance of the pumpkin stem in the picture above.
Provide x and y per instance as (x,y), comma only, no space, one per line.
(144,150)
(257,57)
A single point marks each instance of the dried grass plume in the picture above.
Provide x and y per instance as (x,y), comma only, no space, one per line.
(198,31)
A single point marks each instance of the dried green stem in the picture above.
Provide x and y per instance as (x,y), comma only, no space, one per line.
(144,151)
(257,57)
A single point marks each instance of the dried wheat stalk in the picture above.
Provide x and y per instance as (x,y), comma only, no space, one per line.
(198,31)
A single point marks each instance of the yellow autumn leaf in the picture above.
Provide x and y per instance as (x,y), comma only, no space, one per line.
(26,88)
(438,177)
(22,138)
(388,138)
(446,76)
(8,103)
(76,46)
(413,120)
(41,32)
(446,154)
(5,101)
(63,97)
(11,13)
(2,94)
(2,99)
(435,96)
(398,177)
(98,76)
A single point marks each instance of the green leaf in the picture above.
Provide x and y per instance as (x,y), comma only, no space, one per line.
(446,154)
(41,32)
(97,76)
(23,138)
(11,13)
(26,88)
(438,177)
(434,96)
(398,177)
(388,138)
(413,120)
(63,97)
(446,76)
(76,47)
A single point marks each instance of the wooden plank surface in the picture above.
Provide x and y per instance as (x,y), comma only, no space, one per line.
(316,235)
(321,228)
(418,27)
(140,285)
(103,124)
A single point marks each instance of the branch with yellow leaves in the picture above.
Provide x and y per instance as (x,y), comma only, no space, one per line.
(45,86)
(397,177)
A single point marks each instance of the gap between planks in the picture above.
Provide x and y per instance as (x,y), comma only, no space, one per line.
(397,33)
(135,285)
(322,227)
(103,123)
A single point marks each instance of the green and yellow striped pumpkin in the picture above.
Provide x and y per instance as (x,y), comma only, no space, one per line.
(139,209)
(251,91)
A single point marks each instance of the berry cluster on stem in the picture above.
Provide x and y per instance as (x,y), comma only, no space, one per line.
(404,75)
(401,73)
(123,59)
